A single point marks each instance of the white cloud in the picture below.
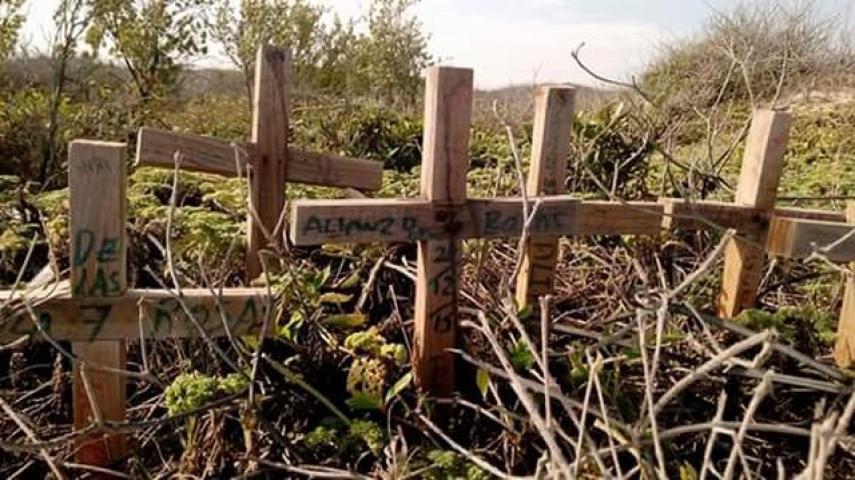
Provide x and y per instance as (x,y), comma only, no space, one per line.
(507,51)
(512,41)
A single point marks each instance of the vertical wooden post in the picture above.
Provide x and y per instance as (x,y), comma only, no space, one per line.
(553,122)
(844,346)
(96,179)
(270,135)
(761,170)
(448,109)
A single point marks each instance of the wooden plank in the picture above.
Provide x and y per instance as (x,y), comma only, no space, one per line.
(314,222)
(270,136)
(810,214)
(445,162)
(156,148)
(611,218)
(553,122)
(97,182)
(686,214)
(334,170)
(844,345)
(64,317)
(445,150)
(758,184)
(794,238)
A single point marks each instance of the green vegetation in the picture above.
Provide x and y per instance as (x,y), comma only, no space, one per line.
(192,391)
(337,388)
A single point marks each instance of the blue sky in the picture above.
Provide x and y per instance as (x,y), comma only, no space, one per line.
(519,41)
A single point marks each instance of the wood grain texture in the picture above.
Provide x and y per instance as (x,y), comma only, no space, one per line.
(97,183)
(270,136)
(156,148)
(758,185)
(162,315)
(764,159)
(810,214)
(685,214)
(844,345)
(797,238)
(553,122)
(610,218)
(445,155)
(331,170)
(445,162)
(314,222)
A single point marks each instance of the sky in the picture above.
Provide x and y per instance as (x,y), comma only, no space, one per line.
(511,42)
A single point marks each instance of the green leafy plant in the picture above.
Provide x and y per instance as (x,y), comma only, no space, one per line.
(446,464)
(11,21)
(345,438)
(521,355)
(191,391)
(150,37)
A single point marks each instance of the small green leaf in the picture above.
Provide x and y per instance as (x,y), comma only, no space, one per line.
(398,387)
(363,401)
(631,353)
(351,281)
(347,320)
(482,379)
(335,298)
(525,312)
(322,277)
(688,472)
(290,330)
(522,356)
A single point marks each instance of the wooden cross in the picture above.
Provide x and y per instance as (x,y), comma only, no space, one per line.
(98,313)
(443,216)
(762,228)
(270,161)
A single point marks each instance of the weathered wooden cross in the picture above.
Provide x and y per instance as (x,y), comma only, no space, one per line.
(97,312)
(439,220)
(270,161)
(765,230)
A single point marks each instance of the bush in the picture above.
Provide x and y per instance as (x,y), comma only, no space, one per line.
(752,53)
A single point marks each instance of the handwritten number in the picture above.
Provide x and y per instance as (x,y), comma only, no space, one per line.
(97,320)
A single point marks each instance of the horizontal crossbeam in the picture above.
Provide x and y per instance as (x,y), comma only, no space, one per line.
(795,238)
(159,313)
(407,220)
(699,215)
(199,153)
(602,217)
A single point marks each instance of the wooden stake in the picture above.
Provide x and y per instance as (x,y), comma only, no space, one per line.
(448,109)
(553,122)
(96,182)
(758,185)
(270,135)
(844,347)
